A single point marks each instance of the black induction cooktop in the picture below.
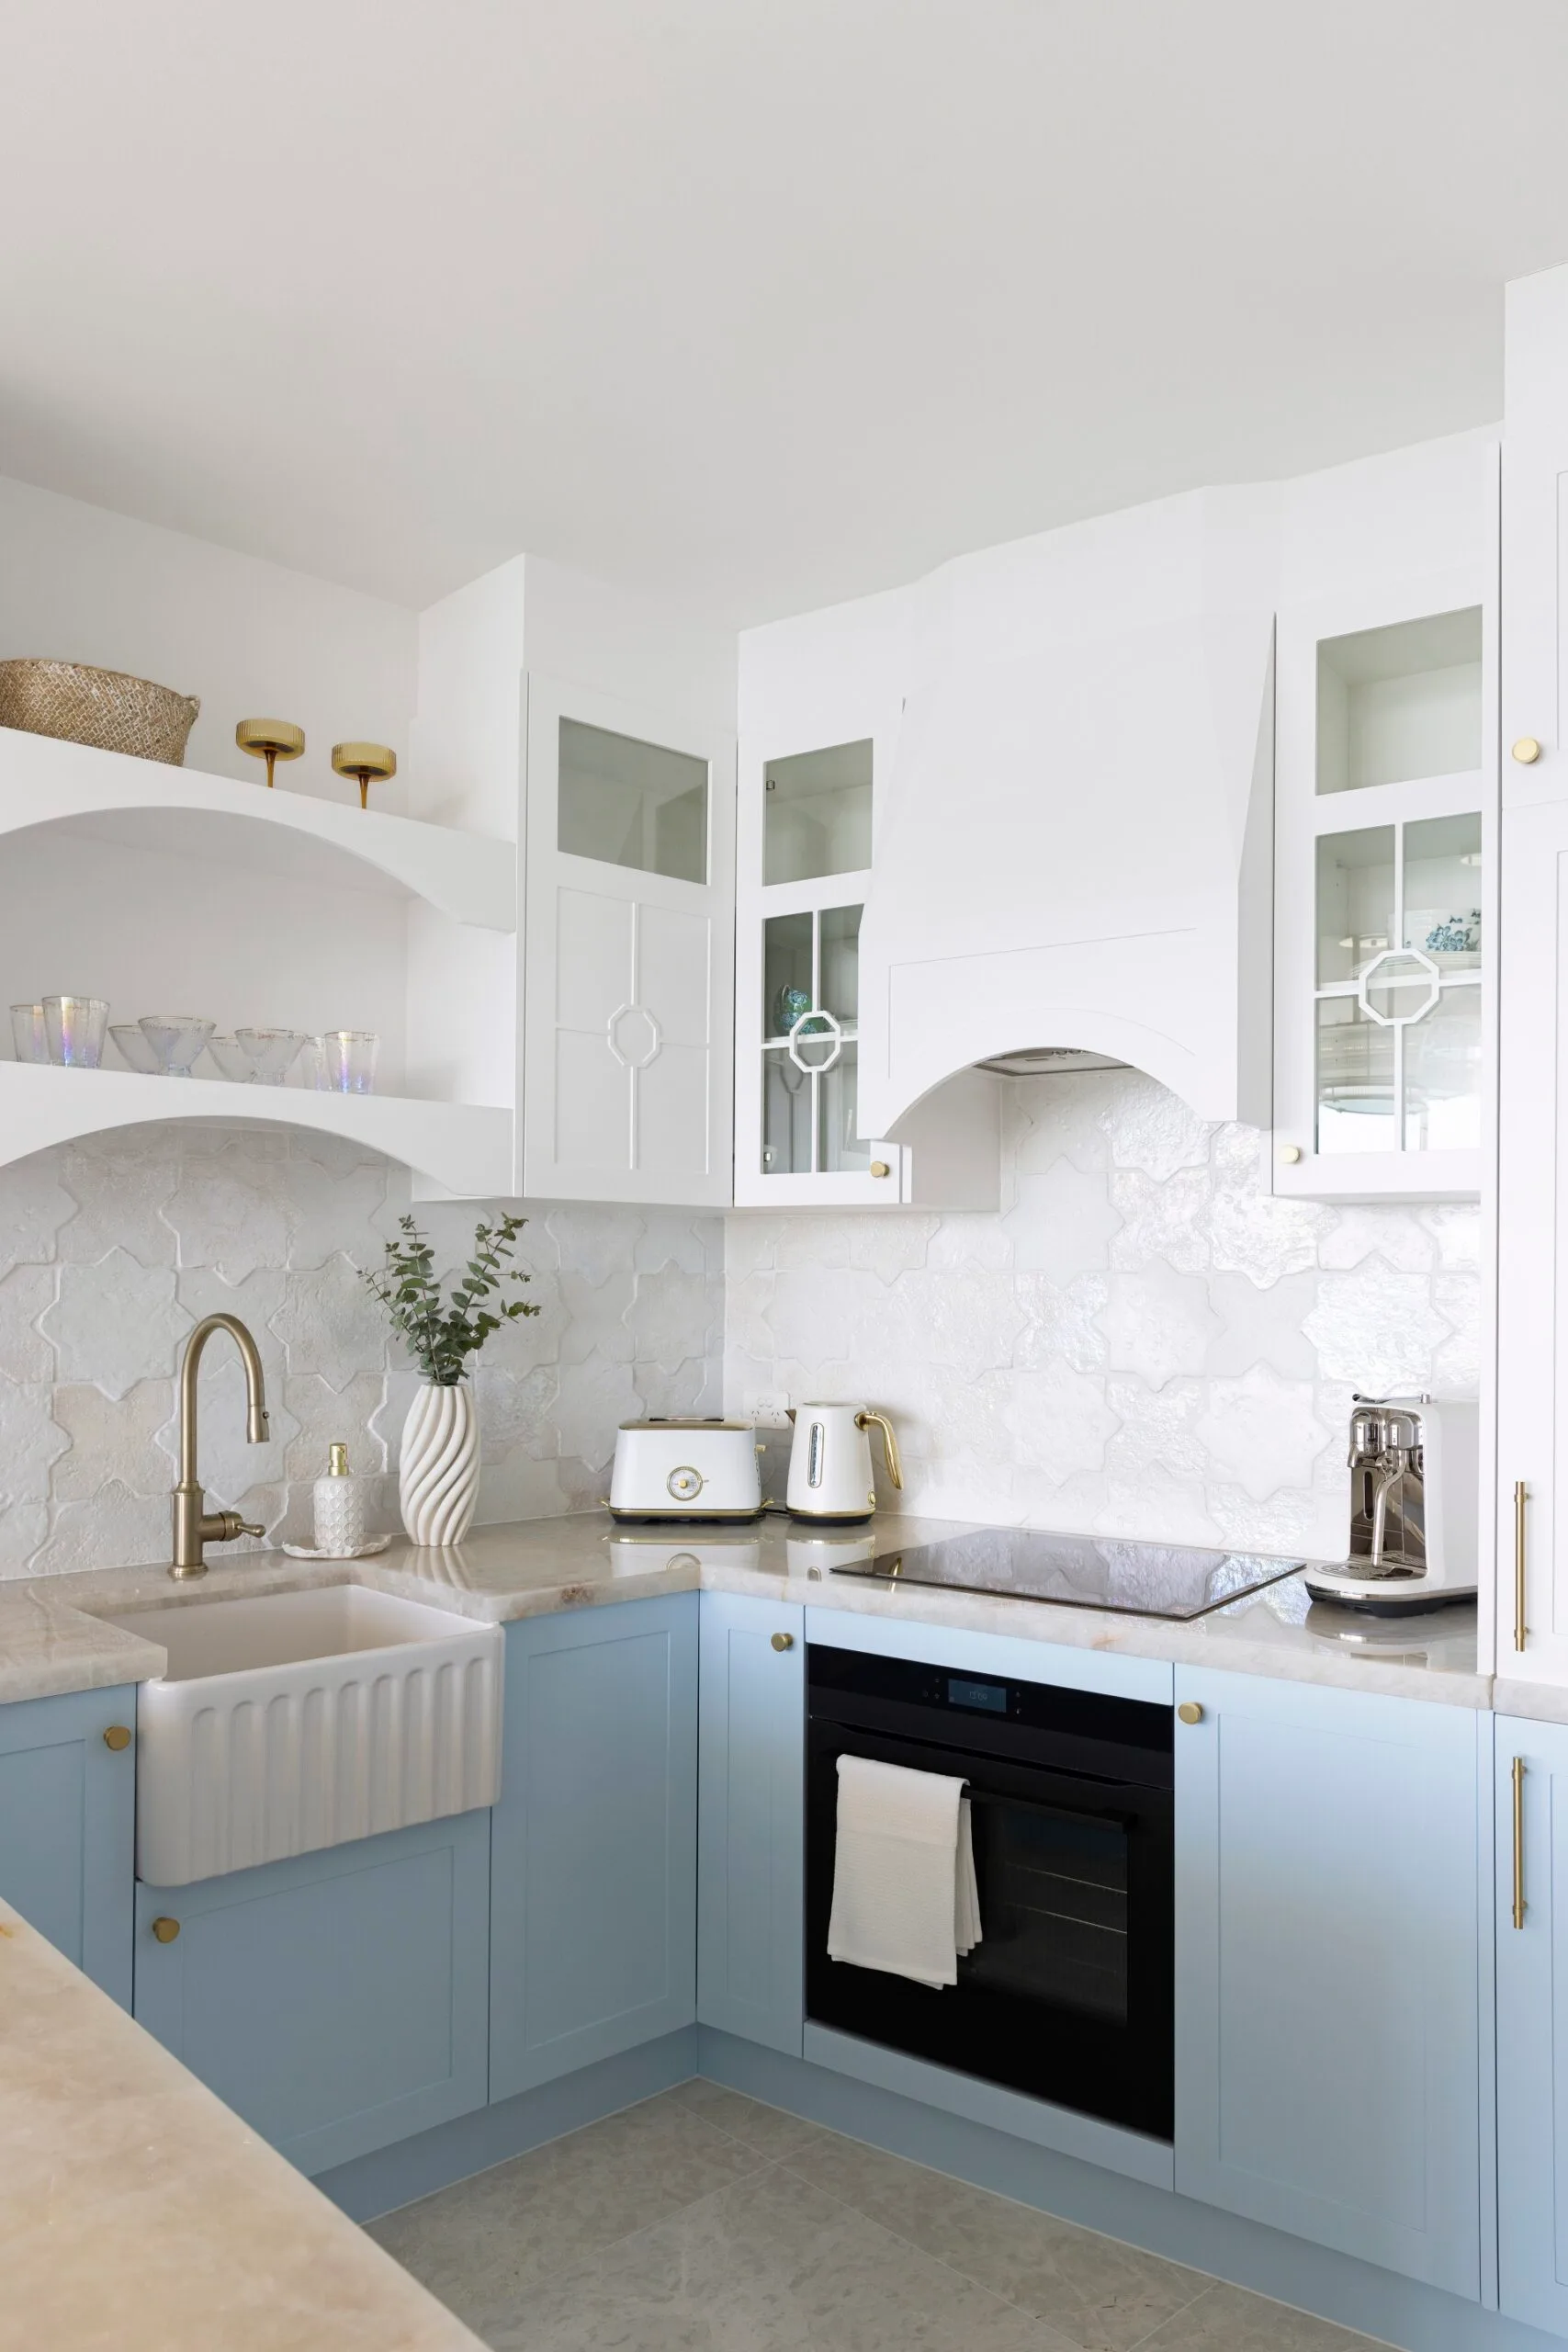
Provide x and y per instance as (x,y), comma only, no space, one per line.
(1079,1571)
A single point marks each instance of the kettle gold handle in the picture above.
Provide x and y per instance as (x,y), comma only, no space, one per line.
(868,1419)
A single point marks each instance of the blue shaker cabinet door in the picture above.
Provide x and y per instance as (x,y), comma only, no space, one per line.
(592,1946)
(1327,2051)
(68,1826)
(1532,2024)
(337,2001)
(751,1820)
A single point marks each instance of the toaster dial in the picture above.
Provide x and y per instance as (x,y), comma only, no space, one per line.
(686,1484)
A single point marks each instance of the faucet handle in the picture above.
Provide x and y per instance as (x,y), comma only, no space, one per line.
(244,1527)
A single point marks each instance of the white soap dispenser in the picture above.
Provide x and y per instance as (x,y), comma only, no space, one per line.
(339,1507)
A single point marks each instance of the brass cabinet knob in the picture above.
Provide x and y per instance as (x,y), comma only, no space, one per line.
(1190,1712)
(165,1930)
(1526,751)
(784,1641)
(880,1167)
(117,1737)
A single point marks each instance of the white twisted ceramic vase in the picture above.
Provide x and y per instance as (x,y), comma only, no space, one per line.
(438,1473)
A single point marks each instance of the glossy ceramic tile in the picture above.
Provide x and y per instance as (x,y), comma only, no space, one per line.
(810,2243)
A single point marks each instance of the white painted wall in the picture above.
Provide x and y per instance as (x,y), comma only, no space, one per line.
(79,583)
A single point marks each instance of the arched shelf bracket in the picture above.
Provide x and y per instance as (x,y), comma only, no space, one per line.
(468,877)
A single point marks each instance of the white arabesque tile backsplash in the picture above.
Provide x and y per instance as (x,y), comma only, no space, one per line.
(1141,1341)
(116,1245)
(1144,1342)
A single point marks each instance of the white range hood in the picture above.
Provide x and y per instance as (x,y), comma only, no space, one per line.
(1074,849)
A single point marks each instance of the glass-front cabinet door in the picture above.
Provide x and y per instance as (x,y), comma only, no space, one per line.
(1386,887)
(626,989)
(805,849)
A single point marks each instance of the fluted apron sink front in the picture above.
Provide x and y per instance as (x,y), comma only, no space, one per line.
(296,1719)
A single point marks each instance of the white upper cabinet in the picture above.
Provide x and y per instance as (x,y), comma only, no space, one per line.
(1074,849)
(602,732)
(1386,827)
(1532,1110)
(627,956)
(821,702)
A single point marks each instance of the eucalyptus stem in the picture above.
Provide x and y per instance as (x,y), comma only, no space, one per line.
(441,1332)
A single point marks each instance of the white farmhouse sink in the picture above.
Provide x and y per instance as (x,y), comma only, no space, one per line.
(297,1719)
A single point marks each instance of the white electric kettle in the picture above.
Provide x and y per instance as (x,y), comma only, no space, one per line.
(830,1461)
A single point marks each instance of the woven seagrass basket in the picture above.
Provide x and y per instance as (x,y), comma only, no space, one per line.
(103,707)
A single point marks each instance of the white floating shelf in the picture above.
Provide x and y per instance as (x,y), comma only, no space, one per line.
(466,1147)
(468,876)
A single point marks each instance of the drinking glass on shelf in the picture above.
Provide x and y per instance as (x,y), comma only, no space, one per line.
(75,1027)
(29,1033)
(176,1038)
(273,1052)
(231,1059)
(132,1047)
(345,1061)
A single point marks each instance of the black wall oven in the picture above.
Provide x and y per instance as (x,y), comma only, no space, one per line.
(1068,1996)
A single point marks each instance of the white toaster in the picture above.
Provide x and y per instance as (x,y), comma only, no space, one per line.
(685,1470)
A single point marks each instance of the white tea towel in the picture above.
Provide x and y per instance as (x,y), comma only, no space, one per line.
(905,1899)
(966,1890)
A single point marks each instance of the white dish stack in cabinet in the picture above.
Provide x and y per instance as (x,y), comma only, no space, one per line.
(601,732)
(1386,828)
(820,702)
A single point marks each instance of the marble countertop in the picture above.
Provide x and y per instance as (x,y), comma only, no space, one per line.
(137,2211)
(49,1641)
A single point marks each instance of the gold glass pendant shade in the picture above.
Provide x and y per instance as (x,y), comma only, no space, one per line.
(369,763)
(270,740)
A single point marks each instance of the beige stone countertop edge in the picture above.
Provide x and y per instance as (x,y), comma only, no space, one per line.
(137,2211)
(51,1643)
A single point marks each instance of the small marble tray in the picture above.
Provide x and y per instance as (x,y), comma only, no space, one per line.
(305,1552)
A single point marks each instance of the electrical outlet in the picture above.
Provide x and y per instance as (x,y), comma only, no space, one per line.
(768,1412)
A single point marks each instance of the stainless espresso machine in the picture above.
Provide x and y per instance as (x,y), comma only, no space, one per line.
(1415,1467)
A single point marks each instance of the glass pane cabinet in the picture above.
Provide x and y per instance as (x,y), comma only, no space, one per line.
(633,804)
(1384,883)
(810,1004)
(816,814)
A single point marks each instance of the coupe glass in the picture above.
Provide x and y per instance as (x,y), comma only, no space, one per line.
(273,1052)
(29,1033)
(231,1059)
(176,1038)
(345,1061)
(77,1025)
(134,1048)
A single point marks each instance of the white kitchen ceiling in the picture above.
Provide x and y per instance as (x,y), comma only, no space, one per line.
(765,302)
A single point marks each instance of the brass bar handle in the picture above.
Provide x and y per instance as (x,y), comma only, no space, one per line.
(868,1419)
(1522,1496)
(1518,1842)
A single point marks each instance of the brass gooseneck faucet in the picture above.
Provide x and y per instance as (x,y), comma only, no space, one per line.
(194,1526)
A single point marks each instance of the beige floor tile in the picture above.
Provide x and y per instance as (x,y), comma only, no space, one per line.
(769,2129)
(1101,2295)
(769,2266)
(480,2244)
(1227,2318)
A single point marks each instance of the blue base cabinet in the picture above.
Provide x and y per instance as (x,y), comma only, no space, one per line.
(68,1826)
(337,2001)
(592,1946)
(751,1821)
(1327,2048)
(1532,2025)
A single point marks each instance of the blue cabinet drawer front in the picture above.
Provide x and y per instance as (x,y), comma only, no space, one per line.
(67,1828)
(595,1838)
(337,2001)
